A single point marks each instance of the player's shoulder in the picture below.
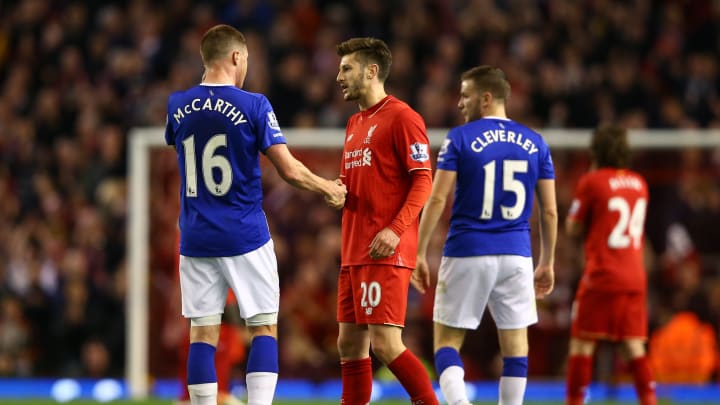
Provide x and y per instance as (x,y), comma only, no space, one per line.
(400,108)
(596,176)
(526,131)
(179,96)
(639,178)
(243,95)
(606,176)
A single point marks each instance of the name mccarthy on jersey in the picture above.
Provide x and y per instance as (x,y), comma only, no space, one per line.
(500,135)
(222,106)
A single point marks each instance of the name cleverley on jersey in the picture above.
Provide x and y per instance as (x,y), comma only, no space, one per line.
(501,135)
(223,107)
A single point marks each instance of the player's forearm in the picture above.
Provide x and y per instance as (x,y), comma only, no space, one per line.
(548,235)
(417,196)
(301,177)
(428,222)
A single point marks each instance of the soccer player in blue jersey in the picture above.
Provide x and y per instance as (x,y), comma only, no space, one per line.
(219,132)
(496,165)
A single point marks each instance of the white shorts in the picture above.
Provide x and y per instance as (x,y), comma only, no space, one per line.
(503,283)
(253,277)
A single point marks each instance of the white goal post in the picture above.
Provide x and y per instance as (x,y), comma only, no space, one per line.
(142,140)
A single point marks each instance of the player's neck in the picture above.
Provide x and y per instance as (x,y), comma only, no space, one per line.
(218,76)
(373,96)
(494,110)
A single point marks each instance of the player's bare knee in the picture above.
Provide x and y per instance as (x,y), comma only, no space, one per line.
(634,348)
(387,352)
(262,324)
(386,348)
(347,347)
(513,342)
(205,329)
(580,347)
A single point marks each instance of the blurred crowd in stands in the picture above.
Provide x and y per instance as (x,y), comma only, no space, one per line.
(76,76)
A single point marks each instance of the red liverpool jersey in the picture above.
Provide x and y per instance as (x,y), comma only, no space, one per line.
(612,204)
(383,144)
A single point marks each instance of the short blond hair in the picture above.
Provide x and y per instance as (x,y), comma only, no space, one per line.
(490,79)
(218,41)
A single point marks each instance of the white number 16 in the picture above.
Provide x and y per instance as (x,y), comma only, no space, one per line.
(209,160)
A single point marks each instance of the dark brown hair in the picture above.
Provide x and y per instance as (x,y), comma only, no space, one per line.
(609,147)
(218,41)
(369,50)
(490,79)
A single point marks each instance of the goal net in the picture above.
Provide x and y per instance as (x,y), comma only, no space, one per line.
(682,167)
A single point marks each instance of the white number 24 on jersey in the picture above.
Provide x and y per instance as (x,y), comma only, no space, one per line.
(629,227)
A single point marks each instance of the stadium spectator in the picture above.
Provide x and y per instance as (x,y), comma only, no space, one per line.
(684,350)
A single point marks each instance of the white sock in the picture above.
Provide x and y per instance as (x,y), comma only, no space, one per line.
(452,383)
(512,390)
(261,387)
(203,394)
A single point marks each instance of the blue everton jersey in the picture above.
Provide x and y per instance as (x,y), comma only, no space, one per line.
(498,163)
(219,132)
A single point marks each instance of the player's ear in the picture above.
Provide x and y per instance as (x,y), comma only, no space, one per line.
(372,70)
(486,99)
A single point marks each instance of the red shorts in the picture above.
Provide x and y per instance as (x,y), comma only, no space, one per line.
(373,294)
(605,315)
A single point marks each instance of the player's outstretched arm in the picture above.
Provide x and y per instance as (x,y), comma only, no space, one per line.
(544,273)
(296,173)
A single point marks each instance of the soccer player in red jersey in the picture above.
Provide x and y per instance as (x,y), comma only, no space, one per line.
(608,210)
(386,168)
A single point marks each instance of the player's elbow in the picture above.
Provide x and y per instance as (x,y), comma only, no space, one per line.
(436,200)
(291,174)
(549,214)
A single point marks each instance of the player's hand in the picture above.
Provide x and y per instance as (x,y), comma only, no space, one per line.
(336,197)
(384,244)
(544,281)
(420,278)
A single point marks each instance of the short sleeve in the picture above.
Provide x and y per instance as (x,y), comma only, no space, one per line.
(169,131)
(547,169)
(268,129)
(448,155)
(412,141)
(581,200)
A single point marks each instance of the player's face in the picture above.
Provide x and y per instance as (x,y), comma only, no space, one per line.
(351,77)
(470,102)
(240,56)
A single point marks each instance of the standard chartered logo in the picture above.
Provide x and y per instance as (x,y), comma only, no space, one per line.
(357,158)
(367,157)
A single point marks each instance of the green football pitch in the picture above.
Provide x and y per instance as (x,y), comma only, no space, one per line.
(165,402)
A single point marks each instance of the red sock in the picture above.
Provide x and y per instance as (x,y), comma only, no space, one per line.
(356,381)
(644,383)
(414,378)
(579,374)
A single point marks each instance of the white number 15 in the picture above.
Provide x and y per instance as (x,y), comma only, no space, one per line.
(509,184)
